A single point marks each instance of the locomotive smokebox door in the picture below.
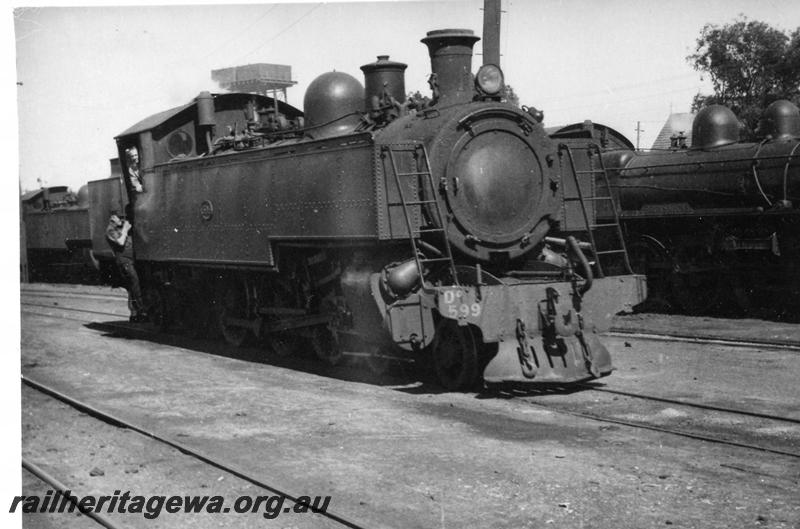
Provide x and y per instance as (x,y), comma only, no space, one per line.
(497,180)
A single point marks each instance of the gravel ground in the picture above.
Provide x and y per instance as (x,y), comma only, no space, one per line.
(402,454)
(96,458)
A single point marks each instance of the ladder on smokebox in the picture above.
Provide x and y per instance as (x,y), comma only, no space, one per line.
(593,174)
(419,153)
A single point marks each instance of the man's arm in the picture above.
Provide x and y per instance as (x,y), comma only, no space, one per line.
(123,234)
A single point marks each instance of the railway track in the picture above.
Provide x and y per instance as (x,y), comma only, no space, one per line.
(696,431)
(616,331)
(208,459)
(693,433)
(60,292)
(70,309)
(677,337)
(97,297)
(672,431)
(696,405)
(788,345)
(56,485)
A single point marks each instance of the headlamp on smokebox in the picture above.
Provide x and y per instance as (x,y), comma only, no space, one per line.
(489,80)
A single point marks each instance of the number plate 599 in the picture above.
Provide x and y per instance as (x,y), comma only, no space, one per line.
(457,307)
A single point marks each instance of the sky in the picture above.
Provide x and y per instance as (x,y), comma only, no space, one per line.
(85,74)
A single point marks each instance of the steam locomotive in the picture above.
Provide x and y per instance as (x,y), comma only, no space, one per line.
(716,225)
(450,227)
(55,236)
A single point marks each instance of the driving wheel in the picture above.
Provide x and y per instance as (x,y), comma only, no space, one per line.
(455,355)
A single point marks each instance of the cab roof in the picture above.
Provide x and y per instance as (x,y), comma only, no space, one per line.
(220,100)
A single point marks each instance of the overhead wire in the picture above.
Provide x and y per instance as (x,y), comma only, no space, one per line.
(625,100)
(605,90)
(238,34)
(628,86)
(287,28)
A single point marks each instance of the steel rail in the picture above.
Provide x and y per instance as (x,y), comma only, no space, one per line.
(64,293)
(63,489)
(698,405)
(669,337)
(184,449)
(679,433)
(74,309)
(54,317)
(100,290)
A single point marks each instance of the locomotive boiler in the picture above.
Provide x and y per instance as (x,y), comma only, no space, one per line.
(715,224)
(375,222)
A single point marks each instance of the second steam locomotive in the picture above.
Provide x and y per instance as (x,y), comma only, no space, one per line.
(450,227)
(716,224)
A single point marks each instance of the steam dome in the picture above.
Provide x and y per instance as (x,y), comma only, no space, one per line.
(714,126)
(332,102)
(781,120)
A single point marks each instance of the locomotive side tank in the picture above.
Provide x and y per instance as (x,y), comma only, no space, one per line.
(719,216)
(412,227)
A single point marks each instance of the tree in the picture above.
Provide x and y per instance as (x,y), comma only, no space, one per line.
(509,96)
(750,65)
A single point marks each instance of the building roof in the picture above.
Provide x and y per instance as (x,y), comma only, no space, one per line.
(675,124)
(36,193)
(588,129)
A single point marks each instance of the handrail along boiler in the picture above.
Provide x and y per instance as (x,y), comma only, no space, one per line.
(424,226)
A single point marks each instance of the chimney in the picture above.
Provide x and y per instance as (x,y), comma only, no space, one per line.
(387,75)
(451,63)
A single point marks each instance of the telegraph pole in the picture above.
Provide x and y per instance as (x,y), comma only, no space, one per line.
(639,130)
(23,242)
(491,32)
